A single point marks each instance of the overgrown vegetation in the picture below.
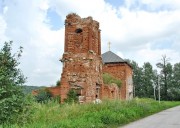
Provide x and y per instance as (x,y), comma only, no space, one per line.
(108,114)
(71,97)
(109,79)
(58,83)
(13,105)
(43,96)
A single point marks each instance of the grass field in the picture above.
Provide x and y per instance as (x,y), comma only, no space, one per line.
(108,114)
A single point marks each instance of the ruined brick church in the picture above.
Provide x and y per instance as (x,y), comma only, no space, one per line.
(83,64)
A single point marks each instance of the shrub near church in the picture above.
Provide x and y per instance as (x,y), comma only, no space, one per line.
(12,100)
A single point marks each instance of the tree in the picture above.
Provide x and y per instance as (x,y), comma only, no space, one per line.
(165,67)
(58,83)
(11,78)
(174,90)
(147,79)
(137,79)
(156,84)
(176,75)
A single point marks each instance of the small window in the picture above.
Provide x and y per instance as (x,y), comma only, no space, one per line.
(79,30)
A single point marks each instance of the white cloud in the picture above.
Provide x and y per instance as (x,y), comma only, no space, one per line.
(140,30)
(82,7)
(26,26)
(155,56)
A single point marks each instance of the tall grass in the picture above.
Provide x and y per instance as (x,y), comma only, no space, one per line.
(108,114)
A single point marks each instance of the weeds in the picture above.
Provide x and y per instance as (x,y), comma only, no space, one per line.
(107,114)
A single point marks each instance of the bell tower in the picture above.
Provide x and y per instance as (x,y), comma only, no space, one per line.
(82,62)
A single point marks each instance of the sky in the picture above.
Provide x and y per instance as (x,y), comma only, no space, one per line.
(139,30)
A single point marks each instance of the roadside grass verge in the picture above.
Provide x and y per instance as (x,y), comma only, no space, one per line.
(108,114)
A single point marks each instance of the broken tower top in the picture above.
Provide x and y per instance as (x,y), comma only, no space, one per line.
(82,34)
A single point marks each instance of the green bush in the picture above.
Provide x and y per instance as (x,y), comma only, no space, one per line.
(43,96)
(58,83)
(13,104)
(109,79)
(71,97)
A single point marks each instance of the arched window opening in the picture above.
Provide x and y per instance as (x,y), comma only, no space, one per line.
(79,30)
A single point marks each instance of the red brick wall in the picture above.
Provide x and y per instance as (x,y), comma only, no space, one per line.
(110,91)
(121,71)
(82,70)
(82,63)
(55,91)
(82,42)
(129,82)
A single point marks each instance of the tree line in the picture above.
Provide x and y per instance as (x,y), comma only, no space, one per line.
(148,81)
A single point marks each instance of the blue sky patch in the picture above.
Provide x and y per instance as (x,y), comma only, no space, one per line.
(1,6)
(116,3)
(54,19)
(163,44)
